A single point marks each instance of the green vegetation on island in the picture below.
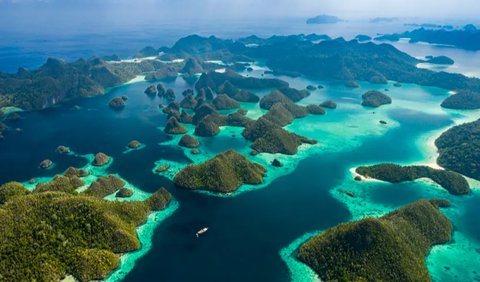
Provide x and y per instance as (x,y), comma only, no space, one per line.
(467,38)
(174,127)
(72,234)
(46,164)
(192,66)
(294,94)
(134,144)
(440,60)
(73,171)
(363,38)
(101,159)
(352,84)
(224,173)
(151,91)
(451,181)
(66,184)
(57,81)
(268,137)
(375,99)
(124,193)
(172,110)
(215,80)
(284,113)
(224,102)
(315,110)
(105,186)
(463,100)
(348,61)
(323,19)
(169,95)
(390,248)
(274,97)
(185,117)
(459,149)
(188,141)
(238,94)
(238,119)
(11,190)
(329,104)
(117,103)
(203,111)
(189,102)
(62,149)
(208,126)
(166,72)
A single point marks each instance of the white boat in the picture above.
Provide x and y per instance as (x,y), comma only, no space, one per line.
(201,231)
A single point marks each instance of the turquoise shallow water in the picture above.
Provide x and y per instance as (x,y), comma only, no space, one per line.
(254,232)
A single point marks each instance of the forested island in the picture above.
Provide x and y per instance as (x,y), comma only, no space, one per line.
(463,100)
(224,173)
(459,149)
(323,19)
(374,99)
(451,181)
(331,59)
(53,231)
(467,38)
(58,80)
(390,248)
(440,60)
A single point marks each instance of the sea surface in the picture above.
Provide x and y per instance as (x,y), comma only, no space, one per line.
(252,234)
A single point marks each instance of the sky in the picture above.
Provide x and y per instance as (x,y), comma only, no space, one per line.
(74,15)
(241,9)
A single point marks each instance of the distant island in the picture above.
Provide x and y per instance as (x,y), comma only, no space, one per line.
(383,20)
(323,19)
(467,38)
(390,248)
(430,25)
(440,60)
(363,38)
(330,59)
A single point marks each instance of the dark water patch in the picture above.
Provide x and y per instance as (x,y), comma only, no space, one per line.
(397,195)
(246,232)
(418,120)
(136,166)
(470,222)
